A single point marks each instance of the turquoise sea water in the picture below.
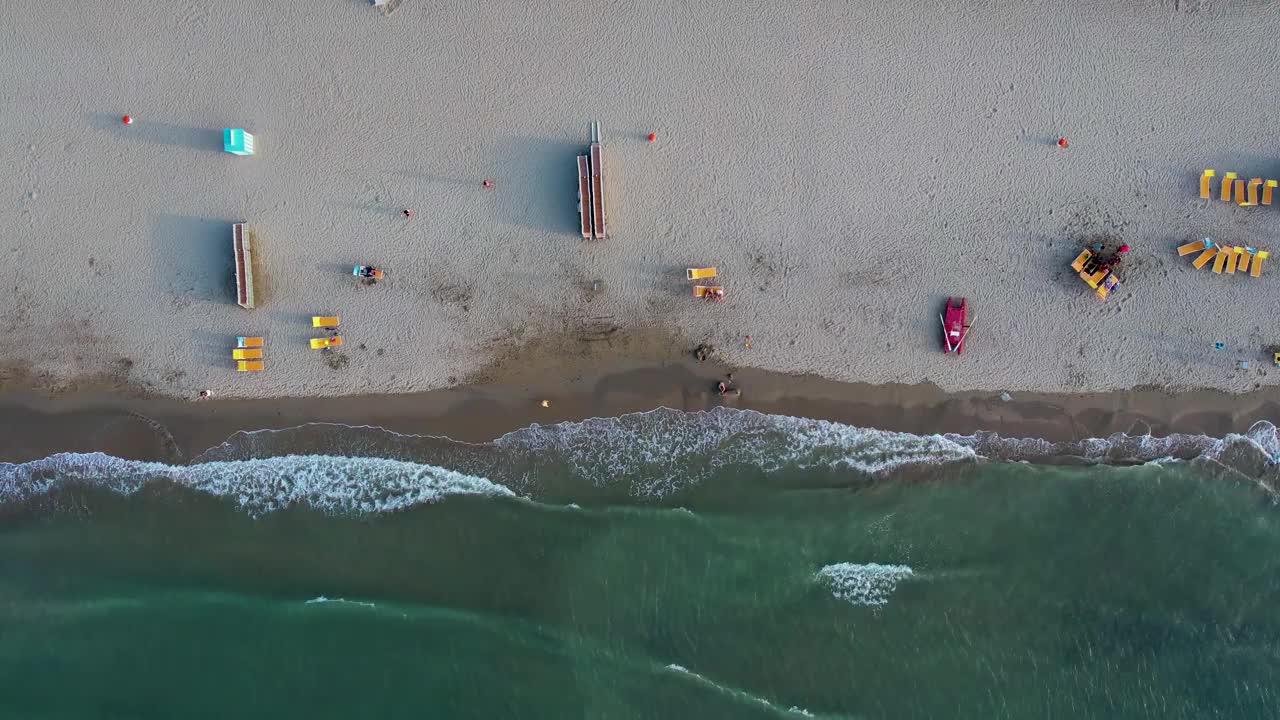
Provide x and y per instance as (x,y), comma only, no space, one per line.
(722,565)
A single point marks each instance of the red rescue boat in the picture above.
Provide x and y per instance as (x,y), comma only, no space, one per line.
(955,327)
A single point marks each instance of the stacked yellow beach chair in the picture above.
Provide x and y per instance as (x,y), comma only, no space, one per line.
(248,354)
(705,292)
(1247,193)
(326,322)
(1225,258)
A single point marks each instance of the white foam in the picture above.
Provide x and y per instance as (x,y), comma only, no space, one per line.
(740,695)
(322,600)
(333,484)
(870,584)
(662,451)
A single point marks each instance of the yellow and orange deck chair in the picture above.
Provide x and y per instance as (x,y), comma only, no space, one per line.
(701,291)
(319,343)
(1266,192)
(1204,184)
(1096,278)
(1081,259)
(1220,261)
(324,321)
(1111,283)
(1233,257)
(700,273)
(248,365)
(1191,247)
(1205,257)
(1258,257)
(1254,184)
(1246,255)
(1227,181)
(249,342)
(246,354)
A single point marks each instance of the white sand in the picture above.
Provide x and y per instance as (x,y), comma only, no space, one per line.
(847,165)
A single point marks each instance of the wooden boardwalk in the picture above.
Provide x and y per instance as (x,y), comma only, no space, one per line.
(244,266)
(584,196)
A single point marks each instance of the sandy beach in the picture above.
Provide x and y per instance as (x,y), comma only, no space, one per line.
(846,166)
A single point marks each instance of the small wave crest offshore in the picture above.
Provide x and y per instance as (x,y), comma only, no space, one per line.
(645,456)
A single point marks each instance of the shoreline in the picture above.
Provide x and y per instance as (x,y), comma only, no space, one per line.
(128,424)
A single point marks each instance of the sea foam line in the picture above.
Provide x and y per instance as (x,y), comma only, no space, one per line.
(322,600)
(332,484)
(738,694)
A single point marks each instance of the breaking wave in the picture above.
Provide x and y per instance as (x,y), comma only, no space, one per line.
(647,456)
(338,485)
(869,584)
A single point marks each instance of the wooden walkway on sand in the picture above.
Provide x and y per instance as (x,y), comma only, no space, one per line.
(584,196)
(591,205)
(244,266)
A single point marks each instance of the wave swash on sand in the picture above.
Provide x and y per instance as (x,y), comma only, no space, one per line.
(650,455)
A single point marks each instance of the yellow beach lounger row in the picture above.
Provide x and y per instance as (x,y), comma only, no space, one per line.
(249,365)
(1196,246)
(246,354)
(319,343)
(701,291)
(700,273)
(324,321)
(249,342)
(1205,257)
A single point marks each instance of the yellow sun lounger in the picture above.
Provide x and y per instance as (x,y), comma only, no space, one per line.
(1095,279)
(318,343)
(1246,254)
(1227,181)
(247,354)
(1266,192)
(1081,259)
(702,291)
(1258,257)
(700,273)
(1204,184)
(248,365)
(248,342)
(1191,247)
(1221,260)
(1240,192)
(324,321)
(1254,184)
(1111,283)
(1205,257)
(1233,257)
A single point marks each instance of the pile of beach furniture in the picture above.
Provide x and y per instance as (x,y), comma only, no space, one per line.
(326,322)
(248,354)
(1225,258)
(705,292)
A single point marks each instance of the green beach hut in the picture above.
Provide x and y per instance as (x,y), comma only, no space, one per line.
(236,141)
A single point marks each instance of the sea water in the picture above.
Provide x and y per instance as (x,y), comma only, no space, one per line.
(668,565)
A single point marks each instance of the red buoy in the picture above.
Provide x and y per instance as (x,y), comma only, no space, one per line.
(1062,142)
(126,120)
(652,137)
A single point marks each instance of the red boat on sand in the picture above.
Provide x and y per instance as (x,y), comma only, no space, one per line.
(954,326)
